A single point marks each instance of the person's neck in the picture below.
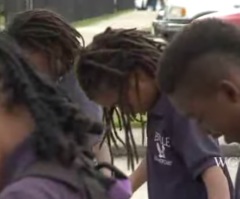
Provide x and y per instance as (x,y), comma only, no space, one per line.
(15,126)
(155,98)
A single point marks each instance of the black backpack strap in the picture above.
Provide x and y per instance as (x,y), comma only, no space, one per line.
(53,171)
(115,171)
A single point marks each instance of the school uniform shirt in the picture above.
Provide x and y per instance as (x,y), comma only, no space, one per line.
(27,177)
(178,154)
(70,86)
(32,187)
(39,188)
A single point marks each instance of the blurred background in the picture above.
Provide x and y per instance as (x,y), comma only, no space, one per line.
(72,10)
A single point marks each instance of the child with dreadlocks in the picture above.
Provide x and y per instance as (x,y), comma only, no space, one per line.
(119,69)
(51,44)
(45,136)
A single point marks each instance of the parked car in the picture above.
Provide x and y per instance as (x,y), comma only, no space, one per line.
(179,13)
(231,16)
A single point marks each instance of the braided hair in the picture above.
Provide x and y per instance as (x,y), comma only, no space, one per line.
(60,129)
(107,62)
(45,31)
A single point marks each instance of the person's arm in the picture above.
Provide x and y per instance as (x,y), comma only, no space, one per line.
(139,176)
(199,152)
(102,154)
(216,183)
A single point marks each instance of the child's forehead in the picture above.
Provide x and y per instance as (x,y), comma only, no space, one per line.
(208,66)
(219,56)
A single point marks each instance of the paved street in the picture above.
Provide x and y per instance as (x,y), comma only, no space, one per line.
(132,19)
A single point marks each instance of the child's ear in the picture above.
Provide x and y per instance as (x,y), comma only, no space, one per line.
(230,91)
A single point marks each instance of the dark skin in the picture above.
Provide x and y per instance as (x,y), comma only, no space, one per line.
(39,60)
(218,111)
(148,93)
(42,62)
(15,126)
(108,71)
(140,101)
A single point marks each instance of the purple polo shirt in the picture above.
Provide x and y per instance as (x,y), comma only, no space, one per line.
(54,183)
(178,154)
(32,187)
(39,188)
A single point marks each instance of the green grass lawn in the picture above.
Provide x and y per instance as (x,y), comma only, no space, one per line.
(2,20)
(86,22)
(135,124)
(94,20)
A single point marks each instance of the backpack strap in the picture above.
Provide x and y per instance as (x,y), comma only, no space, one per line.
(52,171)
(115,171)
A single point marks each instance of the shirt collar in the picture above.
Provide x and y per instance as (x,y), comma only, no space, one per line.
(162,106)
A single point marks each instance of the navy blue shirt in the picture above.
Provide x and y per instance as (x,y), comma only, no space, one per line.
(178,154)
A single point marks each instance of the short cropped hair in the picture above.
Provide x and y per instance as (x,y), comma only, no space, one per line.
(200,54)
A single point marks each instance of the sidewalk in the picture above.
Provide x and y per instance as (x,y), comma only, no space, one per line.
(134,19)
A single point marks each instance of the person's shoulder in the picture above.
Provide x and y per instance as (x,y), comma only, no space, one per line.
(37,188)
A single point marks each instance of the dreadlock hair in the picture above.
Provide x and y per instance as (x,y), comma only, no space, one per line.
(45,31)
(60,129)
(107,62)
